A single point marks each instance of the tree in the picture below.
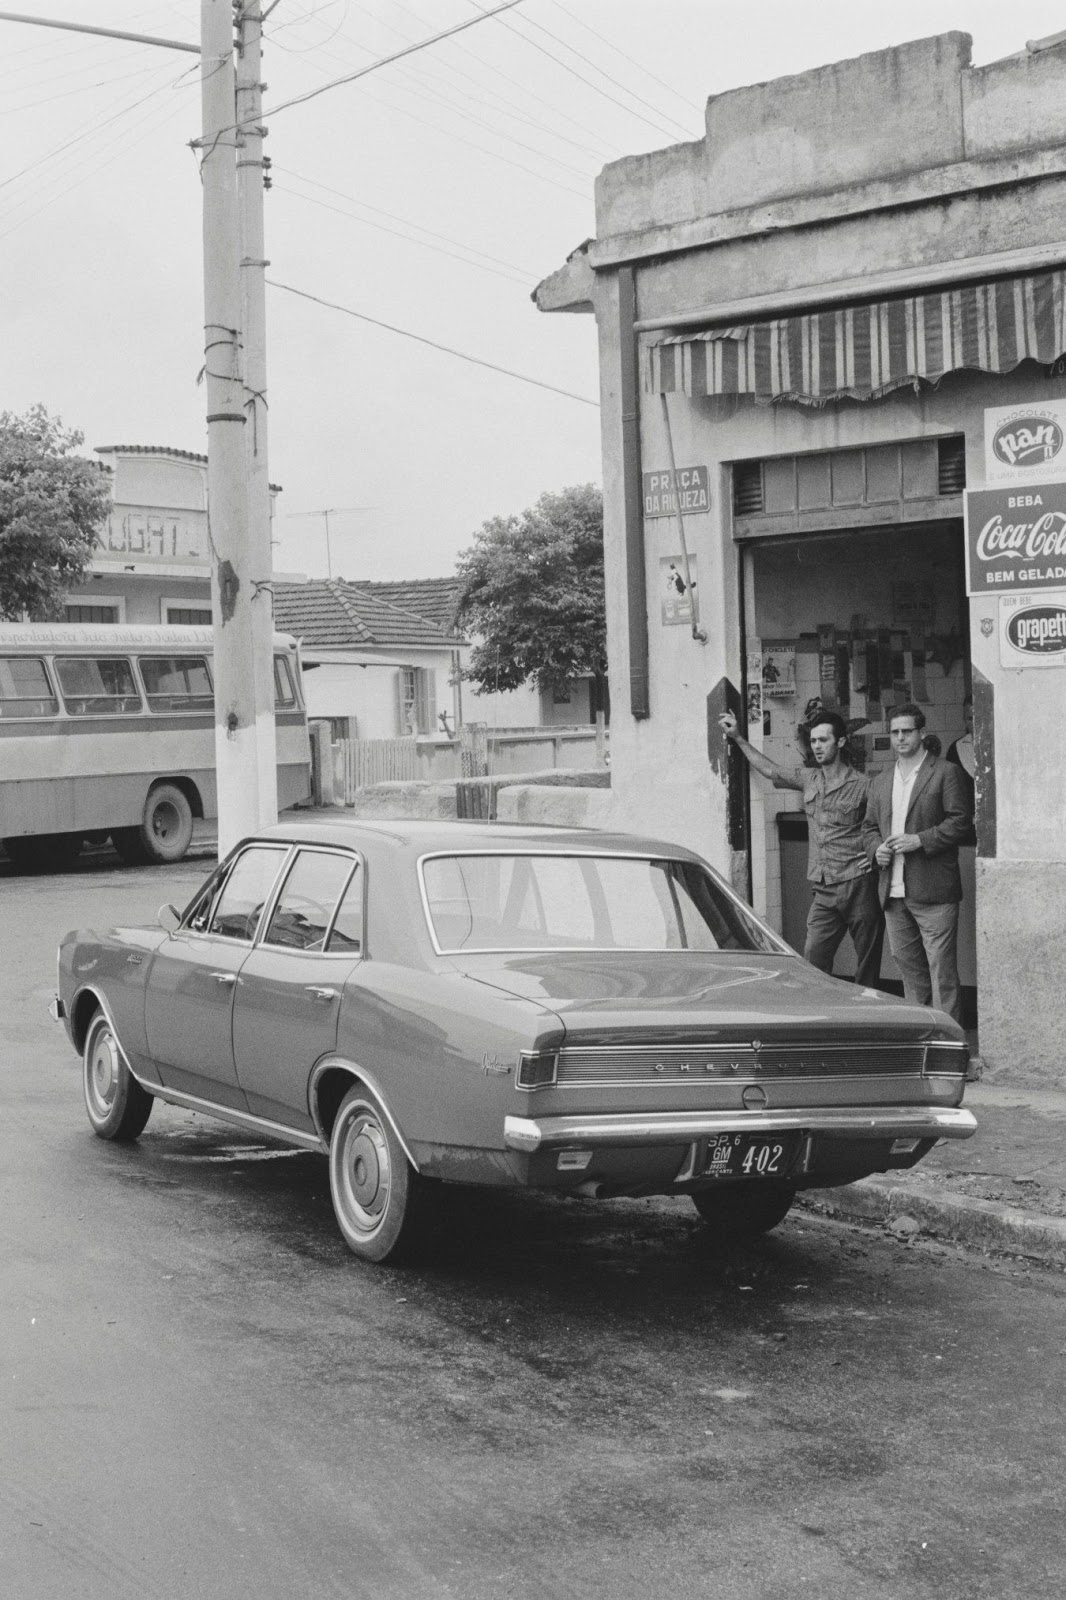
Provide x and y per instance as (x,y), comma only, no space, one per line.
(533,595)
(52,506)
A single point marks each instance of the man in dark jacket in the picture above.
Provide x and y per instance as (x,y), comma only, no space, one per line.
(916,817)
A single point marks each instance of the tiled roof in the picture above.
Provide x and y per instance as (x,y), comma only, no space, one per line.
(331,612)
(435,599)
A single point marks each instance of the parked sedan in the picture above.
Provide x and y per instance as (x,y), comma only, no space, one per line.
(593,1014)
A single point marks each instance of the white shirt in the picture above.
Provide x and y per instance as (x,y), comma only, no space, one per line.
(901,800)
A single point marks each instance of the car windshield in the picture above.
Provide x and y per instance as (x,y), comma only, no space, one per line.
(584,902)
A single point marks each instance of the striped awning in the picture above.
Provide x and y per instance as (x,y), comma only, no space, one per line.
(865,351)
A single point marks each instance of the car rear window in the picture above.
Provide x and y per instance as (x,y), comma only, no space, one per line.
(496,901)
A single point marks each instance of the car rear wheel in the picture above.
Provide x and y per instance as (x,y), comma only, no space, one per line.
(744,1211)
(117,1104)
(377,1194)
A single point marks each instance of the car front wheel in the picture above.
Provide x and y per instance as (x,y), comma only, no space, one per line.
(744,1211)
(117,1104)
(377,1194)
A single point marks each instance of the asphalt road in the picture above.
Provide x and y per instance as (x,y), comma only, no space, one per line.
(204,1394)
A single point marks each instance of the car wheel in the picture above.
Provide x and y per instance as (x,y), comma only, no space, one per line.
(745,1211)
(166,831)
(376,1192)
(117,1104)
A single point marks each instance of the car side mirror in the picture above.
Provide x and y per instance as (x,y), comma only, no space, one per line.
(169,918)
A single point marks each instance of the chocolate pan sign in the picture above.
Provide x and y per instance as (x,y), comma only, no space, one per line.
(1016,538)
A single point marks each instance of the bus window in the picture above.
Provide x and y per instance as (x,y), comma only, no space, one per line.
(24,688)
(94,686)
(177,683)
(284,693)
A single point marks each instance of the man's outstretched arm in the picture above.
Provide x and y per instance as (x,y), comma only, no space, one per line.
(781,777)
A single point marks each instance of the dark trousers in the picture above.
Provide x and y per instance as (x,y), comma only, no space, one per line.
(839,908)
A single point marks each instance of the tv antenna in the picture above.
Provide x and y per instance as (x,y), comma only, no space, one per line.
(325,513)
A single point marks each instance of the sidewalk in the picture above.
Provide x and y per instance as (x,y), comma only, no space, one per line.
(1003,1191)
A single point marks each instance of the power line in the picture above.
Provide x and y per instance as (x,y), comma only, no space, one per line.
(368,222)
(418,338)
(485,95)
(383,61)
(605,74)
(667,132)
(77,139)
(313,183)
(506,77)
(640,65)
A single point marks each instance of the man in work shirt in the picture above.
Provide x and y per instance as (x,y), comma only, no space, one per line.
(844,886)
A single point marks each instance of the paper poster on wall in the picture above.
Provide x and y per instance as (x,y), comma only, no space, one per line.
(676,599)
(779,668)
(1025,443)
(1032,630)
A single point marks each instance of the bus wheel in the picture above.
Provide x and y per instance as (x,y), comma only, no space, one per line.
(166,831)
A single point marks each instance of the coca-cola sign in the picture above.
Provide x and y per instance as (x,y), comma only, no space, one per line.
(1016,538)
(1032,632)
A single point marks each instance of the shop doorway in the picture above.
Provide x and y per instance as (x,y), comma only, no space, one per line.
(860,620)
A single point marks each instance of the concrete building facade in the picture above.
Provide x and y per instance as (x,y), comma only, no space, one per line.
(809,322)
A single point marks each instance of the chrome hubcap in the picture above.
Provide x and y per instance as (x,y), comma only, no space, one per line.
(365,1172)
(103,1072)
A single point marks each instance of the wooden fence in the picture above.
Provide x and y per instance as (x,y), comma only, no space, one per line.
(364,761)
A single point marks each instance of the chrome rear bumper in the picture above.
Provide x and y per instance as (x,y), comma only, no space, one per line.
(881,1122)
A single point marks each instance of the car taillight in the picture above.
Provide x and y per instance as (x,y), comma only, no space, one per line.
(537,1071)
(946,1056)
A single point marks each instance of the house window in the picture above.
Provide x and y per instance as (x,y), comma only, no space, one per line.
(417,701)
(92,614)
(189,616)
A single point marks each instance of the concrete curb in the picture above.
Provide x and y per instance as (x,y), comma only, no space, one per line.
(976,1224)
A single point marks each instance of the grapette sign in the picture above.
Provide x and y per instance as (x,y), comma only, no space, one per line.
(1032,630)
(1016,539)
(1025,443)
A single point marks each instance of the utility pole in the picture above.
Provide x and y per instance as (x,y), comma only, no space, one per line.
(251,183)
(240,592)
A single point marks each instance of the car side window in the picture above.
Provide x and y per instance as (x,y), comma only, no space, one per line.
(308,900)
(347,931)
(236,912)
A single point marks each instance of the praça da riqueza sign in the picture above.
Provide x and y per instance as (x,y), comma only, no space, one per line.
(1016,538)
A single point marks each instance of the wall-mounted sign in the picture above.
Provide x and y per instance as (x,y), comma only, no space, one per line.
(676,598)
(1016,538)
(1032,630)
(1023,443)
(661,492)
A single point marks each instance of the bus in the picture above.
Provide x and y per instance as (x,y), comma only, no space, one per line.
(110,730)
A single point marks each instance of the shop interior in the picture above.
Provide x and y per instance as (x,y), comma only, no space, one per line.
(861,620)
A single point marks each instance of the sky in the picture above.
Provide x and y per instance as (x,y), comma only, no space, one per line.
(433,195)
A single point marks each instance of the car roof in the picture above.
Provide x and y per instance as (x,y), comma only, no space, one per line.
(421,837)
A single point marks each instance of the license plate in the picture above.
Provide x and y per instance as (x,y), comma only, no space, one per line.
(748,1155)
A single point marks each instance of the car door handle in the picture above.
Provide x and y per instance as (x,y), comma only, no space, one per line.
(321,994)
(224,977)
